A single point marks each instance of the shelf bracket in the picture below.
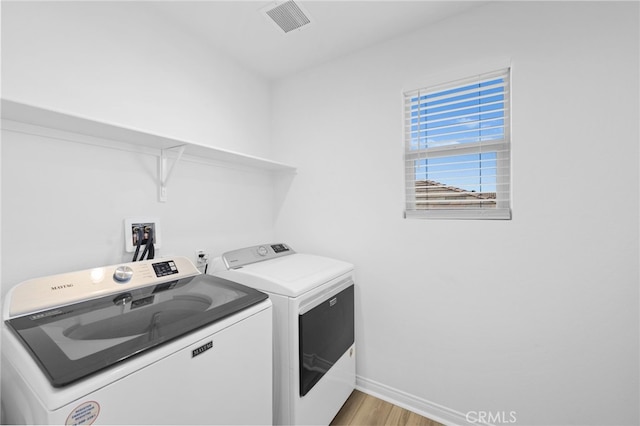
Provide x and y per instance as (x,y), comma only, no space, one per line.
(165,173)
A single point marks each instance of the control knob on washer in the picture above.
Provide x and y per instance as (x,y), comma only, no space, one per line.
(122,274)
(262,251)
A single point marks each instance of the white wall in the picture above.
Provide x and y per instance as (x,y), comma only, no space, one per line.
(122,62)
(64,203)
(537,315)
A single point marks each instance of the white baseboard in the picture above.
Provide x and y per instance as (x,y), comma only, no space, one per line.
(420,406)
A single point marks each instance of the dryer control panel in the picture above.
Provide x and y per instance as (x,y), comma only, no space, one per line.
(245,256)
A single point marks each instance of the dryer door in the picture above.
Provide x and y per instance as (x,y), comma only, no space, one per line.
(326,332)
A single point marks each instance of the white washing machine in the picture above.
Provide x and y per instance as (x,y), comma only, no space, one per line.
(150,342)
(314,345)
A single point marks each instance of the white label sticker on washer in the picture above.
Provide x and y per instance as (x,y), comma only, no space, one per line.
(84,414)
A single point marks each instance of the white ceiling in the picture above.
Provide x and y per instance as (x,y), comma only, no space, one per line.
(241,29)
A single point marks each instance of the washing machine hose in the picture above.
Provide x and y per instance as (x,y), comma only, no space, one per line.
(149,250)
(138,243)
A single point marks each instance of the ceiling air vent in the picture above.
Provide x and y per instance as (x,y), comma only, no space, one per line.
(288,16)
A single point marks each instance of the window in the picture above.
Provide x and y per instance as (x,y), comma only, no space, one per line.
(457,149)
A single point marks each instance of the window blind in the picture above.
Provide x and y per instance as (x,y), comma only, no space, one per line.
(457,149)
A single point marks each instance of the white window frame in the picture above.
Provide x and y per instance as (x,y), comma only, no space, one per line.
(501,147)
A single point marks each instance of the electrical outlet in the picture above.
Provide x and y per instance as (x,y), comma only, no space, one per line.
(136,228)
(202,260)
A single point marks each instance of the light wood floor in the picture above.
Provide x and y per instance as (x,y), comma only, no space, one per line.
(365,410)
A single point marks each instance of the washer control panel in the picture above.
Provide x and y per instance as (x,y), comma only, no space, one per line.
(59,290)
(163,269)
(238,258)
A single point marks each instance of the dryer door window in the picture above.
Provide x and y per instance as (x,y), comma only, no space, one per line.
(326,332)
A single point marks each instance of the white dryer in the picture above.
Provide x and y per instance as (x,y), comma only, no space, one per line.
(150,342)
(314,337)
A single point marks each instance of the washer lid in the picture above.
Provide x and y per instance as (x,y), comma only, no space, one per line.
(290,275)
(74,341)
